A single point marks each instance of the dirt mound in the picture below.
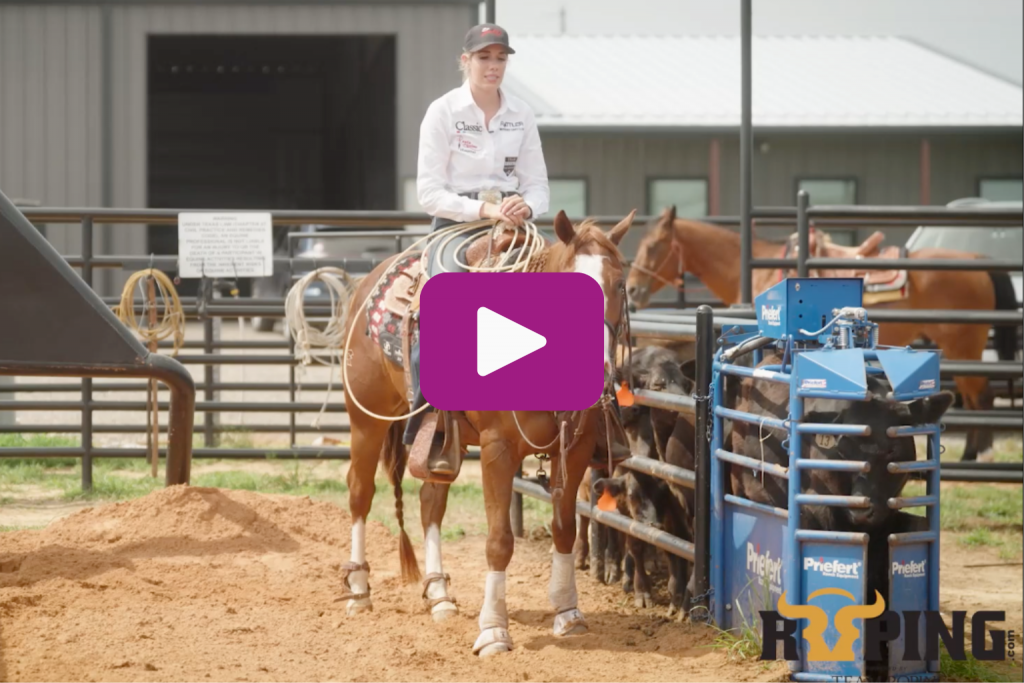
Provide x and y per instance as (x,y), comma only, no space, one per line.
(211,584)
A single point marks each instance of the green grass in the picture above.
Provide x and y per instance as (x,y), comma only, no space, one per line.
(980,514)
(970,669)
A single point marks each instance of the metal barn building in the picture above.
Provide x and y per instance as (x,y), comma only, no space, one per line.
(317,104)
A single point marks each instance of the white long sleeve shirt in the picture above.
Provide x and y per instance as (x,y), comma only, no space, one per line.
(459,154)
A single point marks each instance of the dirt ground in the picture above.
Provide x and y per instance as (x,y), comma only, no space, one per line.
(211,584)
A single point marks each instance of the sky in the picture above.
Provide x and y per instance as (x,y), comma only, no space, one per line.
(987,34)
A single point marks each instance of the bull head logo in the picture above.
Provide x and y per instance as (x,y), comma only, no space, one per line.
(817,618)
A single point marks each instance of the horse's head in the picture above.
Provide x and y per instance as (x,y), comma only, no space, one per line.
(588,249)
(658,260)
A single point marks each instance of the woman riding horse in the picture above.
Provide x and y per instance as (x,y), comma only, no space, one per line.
(480,157)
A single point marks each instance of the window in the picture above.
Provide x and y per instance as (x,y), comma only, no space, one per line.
(832,191)
(841,191)
(569,195)
(689,195)
(1001,189)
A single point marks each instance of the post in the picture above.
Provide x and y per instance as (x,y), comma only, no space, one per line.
(154,395)
(926,172)
(803,230)
(702,451)
(516,511)
(746,144)
(209,377)
(86,381)
(489,11)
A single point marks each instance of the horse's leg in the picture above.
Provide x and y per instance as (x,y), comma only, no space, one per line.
(367,440)
(582,547)
(562,590)
(433,503)
(498,464)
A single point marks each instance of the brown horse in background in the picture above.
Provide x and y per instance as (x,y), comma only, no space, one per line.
(674,246)
(503,438)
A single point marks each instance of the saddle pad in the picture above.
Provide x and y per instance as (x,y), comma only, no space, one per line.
(386,307)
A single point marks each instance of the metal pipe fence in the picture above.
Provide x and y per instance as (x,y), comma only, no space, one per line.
(669,324)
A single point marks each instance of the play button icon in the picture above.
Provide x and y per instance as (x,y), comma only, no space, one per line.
(500,341)
(512,341)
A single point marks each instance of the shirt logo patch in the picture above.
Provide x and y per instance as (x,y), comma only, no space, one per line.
(463,127)
(510,165)
(466,145)
(512,125)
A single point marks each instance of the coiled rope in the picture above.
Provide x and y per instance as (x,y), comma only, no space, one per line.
(172,319)
(340,287)
(434,243)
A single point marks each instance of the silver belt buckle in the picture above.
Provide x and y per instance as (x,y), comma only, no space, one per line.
(490,196)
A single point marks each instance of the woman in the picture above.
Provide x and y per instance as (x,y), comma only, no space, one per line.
(480,157)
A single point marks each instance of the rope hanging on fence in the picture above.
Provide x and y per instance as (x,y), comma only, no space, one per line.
(308,338)
(172,320)
(170,324)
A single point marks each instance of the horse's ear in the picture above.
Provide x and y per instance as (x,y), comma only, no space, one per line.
(620,230)
(563,228)
(672,214)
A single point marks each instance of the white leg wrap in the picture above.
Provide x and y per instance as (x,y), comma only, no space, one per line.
(562,591)
(436,589)
(359,580)
(494,613)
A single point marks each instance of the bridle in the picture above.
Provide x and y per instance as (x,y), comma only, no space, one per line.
(673,250)
(618,333)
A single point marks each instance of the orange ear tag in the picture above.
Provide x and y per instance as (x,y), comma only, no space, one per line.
(607,502)
(624,396)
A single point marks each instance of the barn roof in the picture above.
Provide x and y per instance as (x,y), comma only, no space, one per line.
(693,82)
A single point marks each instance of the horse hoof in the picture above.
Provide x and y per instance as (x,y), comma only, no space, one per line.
(359,606)
(570,623)
(492,641)
(443,611)
(493,649)
(643,600)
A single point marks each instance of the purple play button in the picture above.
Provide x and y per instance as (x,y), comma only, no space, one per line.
(512,341)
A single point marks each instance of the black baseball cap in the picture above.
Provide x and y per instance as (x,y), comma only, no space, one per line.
(483,35)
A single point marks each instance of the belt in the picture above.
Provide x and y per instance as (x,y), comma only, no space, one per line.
(488,194)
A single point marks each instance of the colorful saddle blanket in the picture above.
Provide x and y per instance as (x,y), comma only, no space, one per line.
(388,304)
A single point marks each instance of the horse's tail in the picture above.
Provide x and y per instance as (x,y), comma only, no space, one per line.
(1004,336)
(394,455)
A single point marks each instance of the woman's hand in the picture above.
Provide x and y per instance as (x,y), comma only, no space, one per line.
(513,213)
(516,208)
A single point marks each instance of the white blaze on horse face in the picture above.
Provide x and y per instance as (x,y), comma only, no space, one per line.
(593,265)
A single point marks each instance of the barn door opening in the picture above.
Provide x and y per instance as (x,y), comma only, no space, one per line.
(269,122)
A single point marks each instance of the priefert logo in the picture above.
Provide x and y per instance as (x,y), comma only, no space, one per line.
(763,564)
(834,568)
(771,315)
(910,570)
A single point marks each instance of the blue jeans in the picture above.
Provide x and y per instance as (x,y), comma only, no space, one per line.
(443,262)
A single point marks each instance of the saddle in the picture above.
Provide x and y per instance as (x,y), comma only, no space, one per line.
(392,322)
(880,286)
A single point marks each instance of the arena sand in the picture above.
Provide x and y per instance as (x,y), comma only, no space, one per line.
(222,585)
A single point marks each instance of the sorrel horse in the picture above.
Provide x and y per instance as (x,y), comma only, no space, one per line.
(504,439)
(673,246)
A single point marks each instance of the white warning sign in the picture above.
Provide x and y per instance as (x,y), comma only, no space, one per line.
(225,245)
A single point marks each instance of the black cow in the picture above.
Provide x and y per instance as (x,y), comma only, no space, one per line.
(878,449)
(667,436)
